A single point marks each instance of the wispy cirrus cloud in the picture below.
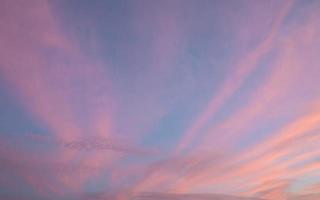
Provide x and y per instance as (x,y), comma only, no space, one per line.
(243,69)
(216,98)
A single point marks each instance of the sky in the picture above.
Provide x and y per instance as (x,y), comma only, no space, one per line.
(170,99)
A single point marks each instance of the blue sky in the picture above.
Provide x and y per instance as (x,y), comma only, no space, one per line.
(123,98)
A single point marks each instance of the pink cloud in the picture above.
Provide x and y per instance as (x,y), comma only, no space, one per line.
(243,69)
(47,72)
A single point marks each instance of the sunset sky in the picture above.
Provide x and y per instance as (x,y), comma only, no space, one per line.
(159,99)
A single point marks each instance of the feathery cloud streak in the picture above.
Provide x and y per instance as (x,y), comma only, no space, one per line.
(148,100)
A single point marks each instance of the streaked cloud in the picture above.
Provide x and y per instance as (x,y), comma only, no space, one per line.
(159,100)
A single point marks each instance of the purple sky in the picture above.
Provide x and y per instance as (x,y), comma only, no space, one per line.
(162,99)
